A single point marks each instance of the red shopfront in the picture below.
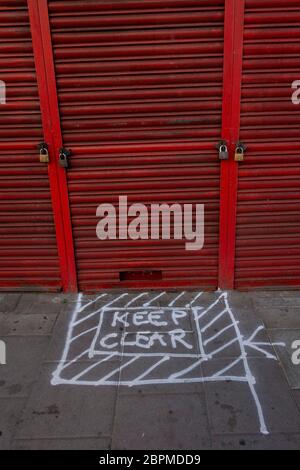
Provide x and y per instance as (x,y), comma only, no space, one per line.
(142,92)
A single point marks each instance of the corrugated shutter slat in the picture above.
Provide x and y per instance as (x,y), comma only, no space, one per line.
(28,251)
(268,221)
(140,87)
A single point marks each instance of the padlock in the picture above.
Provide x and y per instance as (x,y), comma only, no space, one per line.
(223,150)
(239,155)
(223,153)
(64,155)
(44,154)
(63,161)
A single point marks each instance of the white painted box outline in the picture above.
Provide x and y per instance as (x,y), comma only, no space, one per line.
(176,378)
(93,352)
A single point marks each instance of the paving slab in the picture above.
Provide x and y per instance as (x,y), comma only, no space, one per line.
(10,410)
(26,325)
(161,422)
(275,298)
(8,302)
(24,357)
(256,442)
(61,444)
(296,395)
(82,333)
(66,412)
(184,298)
(141,298)
(43,303)
(157,372)
(285,353)
(232,407)
(280,318)
(277,309)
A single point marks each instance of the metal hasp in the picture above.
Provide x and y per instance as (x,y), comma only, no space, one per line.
(240,149)
(64,155)
(223,150)
(44,153)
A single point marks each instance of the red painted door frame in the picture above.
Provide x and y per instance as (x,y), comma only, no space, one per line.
(42,47)
(232,80)
(233,56)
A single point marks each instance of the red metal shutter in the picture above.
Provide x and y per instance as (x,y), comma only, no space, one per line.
(28,249)
(268,220)
(140,93)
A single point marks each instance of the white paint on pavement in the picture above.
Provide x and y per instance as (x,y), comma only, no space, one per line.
(144,338)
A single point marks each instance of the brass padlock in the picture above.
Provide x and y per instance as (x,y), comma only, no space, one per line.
(44,154)
(223,150)
(239,155)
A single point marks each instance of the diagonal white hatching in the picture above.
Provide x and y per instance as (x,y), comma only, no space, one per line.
(211,324)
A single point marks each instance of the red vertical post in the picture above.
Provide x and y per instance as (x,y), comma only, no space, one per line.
(233,61)
(43,53)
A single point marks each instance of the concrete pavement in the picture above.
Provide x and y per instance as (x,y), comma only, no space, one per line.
(150,370)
